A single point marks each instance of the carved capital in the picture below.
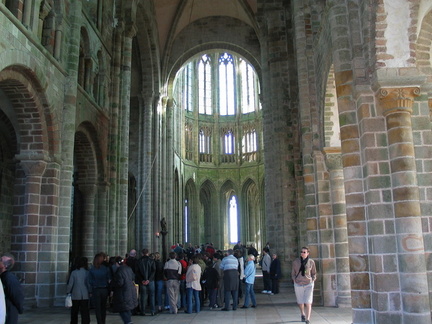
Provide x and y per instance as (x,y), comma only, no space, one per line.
(333,158)
(34,168)
(397,99)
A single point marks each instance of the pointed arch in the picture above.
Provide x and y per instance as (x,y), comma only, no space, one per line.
(252,219)
(208,212)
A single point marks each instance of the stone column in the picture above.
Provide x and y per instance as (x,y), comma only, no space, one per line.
(113,143)
(337,195)
(68,121)
(145,179)
(89,219)
(396,105)
(27,14)
(124,115)
(25,226)
(102,230)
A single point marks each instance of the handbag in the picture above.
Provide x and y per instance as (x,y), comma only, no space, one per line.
(68,301)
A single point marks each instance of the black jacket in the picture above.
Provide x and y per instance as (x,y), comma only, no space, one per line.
(14,297)
(146,269)
(125,292)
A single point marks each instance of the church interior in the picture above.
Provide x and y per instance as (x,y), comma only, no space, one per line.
(285,122)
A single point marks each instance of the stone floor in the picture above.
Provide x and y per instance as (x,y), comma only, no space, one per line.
(276,309)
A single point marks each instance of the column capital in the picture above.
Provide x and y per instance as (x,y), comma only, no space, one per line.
(333,158)
(397,99)
(130,30)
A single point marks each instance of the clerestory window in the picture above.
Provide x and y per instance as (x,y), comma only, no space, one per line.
(205,85)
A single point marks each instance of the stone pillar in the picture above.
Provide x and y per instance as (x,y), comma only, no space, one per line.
(167,177)
(145,179)
(124,116)
(113,143)
(340,233)
(46,8)
(25,227)
(102,230)
(27,14)
(68,121)
(396,105)
(89,219)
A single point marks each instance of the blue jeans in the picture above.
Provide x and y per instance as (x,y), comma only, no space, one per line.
(147,291)
(250,294)
(195,293)
(126,316)
(159,291)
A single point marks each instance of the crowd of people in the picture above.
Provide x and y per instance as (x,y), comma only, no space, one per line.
(143,284)
(190,278)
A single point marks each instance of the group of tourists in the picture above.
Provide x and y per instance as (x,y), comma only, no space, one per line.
(146,285)
(189,279)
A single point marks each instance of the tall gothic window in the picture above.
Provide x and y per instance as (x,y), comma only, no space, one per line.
(204,143)
(228,143)
(188,142)
(233,221)
(248,86)
(226,85)
(187,88)
(205,86)
(250,142)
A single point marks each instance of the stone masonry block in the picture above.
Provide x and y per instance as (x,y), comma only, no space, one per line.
(384,282)
(360,299)
(383,244)
(390,263)
(359,263)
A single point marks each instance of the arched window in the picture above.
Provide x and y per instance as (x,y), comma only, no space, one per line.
(226,85)
(187,88)
(205,86)
(248,86)
(233,220)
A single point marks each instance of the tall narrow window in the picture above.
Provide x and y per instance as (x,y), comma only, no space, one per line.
(248,86)
(229,143)
(186,220)
(204,86)
(187,87)
(226,85)
(188,142)
(249,142)
(233,221)
(204,142)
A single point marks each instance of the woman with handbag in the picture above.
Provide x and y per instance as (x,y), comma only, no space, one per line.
(304,275)
(80,290)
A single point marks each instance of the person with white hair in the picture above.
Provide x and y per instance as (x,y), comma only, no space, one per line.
(249,279)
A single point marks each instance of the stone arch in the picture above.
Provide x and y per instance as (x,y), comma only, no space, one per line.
(423,46)
(8,149)
(252,220)
(30,107)
(208,212)
(84,63)
(243,41)
(88,175)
